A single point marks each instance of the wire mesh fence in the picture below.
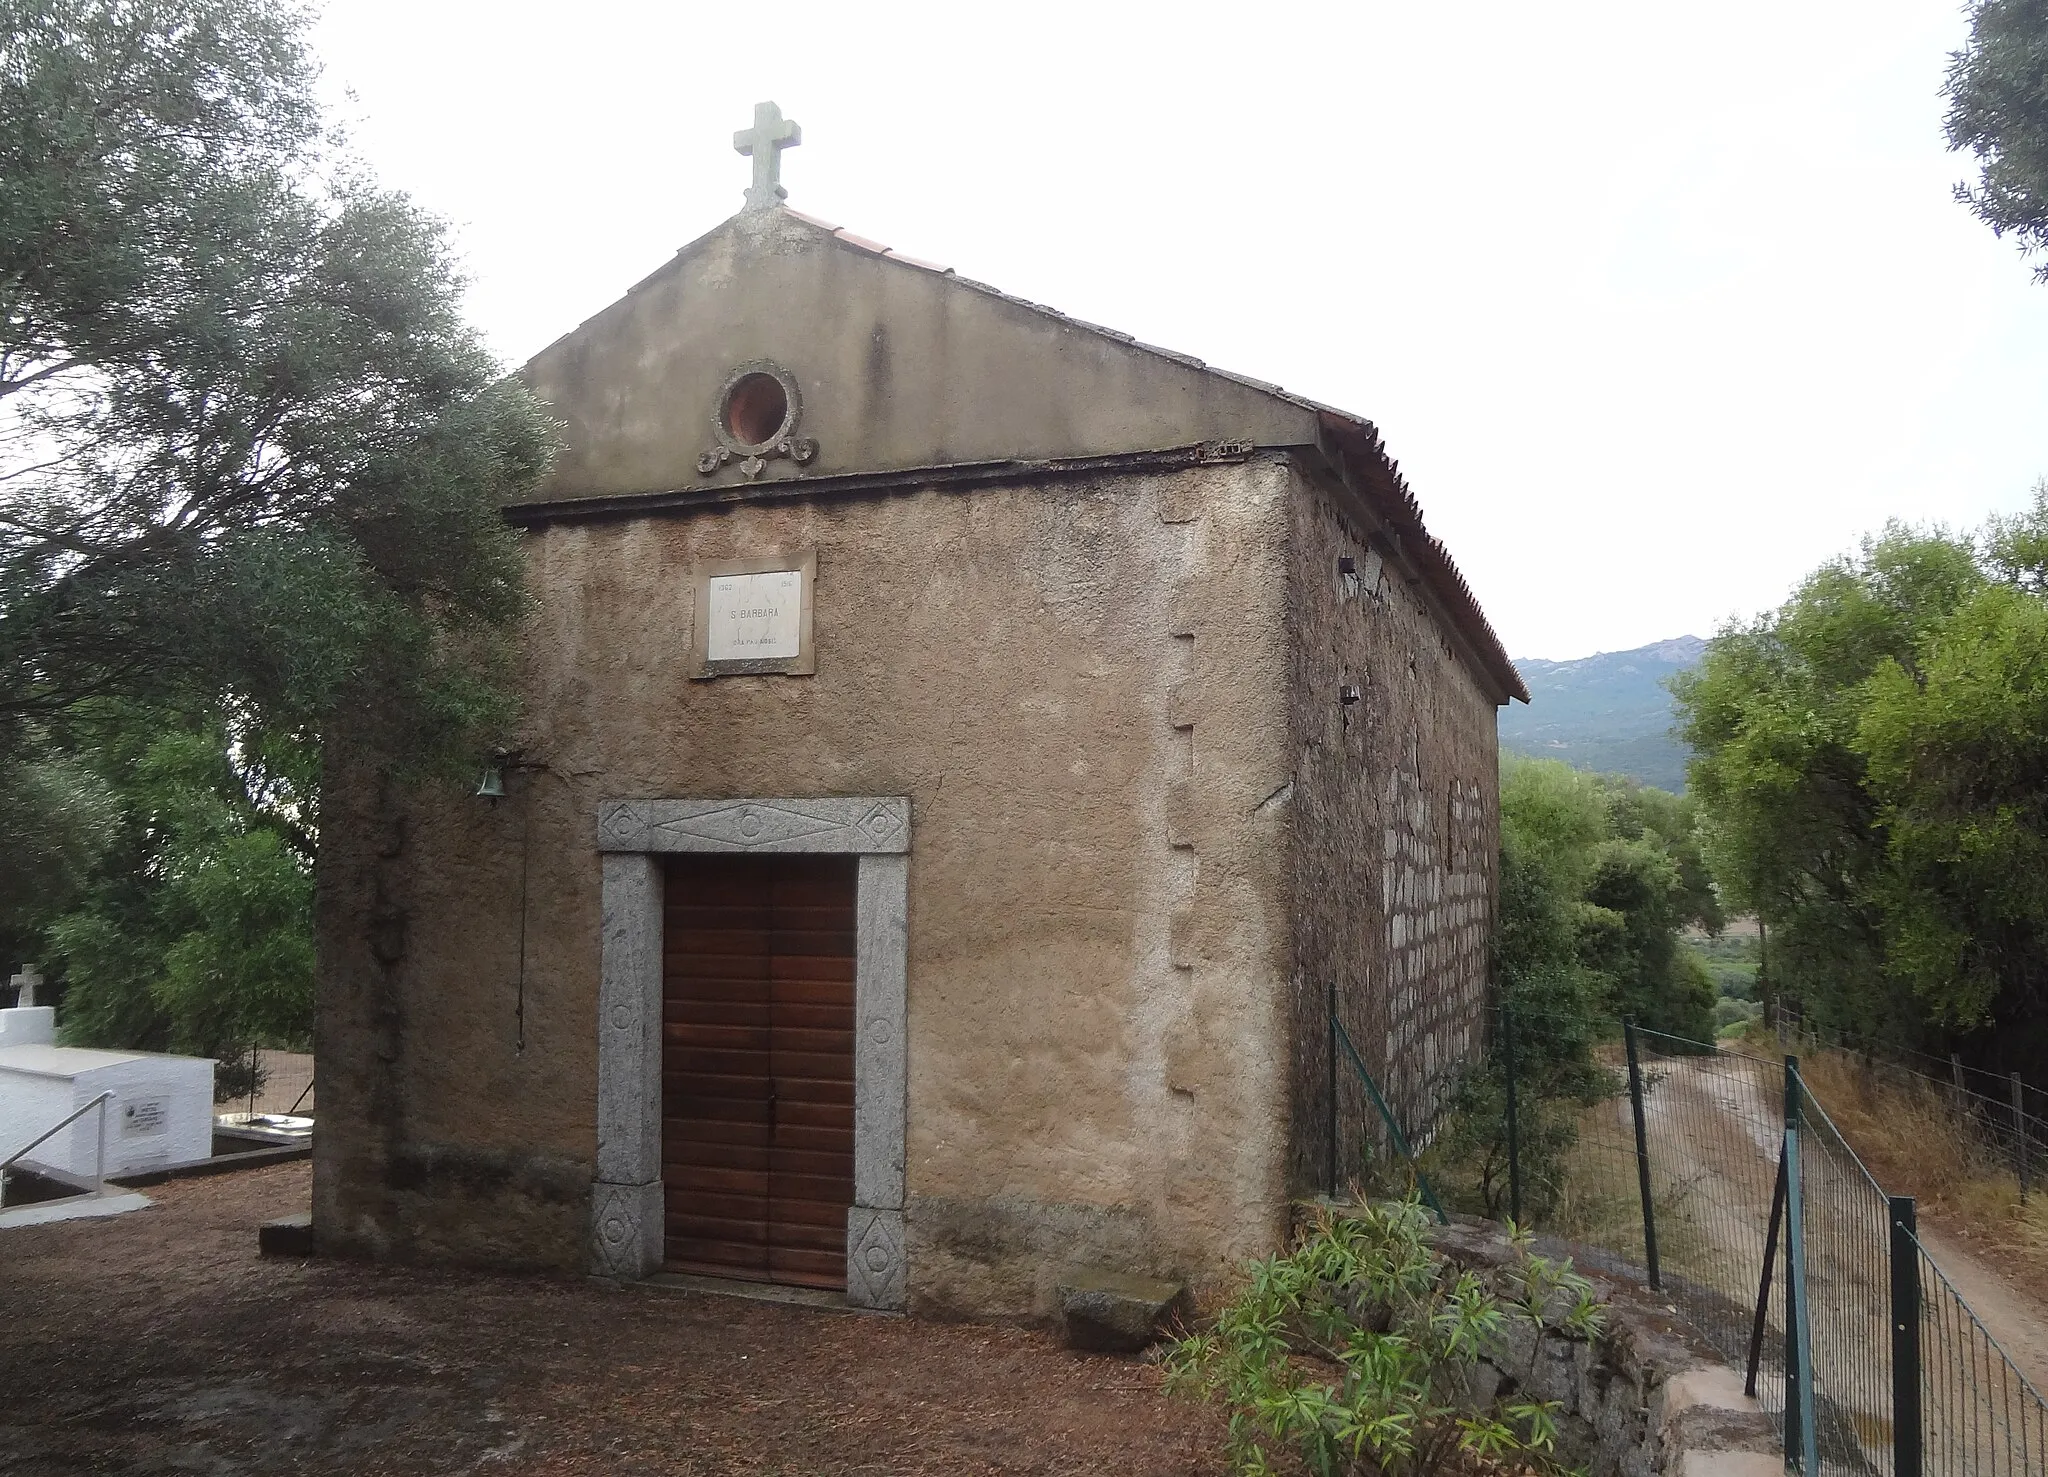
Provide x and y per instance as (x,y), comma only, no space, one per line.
(1977,1414)
(2002,1120)
(1715,1173)
(265,1081)
(1847,1252)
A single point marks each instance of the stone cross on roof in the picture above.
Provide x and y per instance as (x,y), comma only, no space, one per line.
(26,982)
(765,141)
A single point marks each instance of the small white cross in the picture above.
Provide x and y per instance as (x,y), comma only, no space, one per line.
(764,143)
(26,982)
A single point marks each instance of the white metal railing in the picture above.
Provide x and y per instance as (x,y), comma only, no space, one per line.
(99,1166)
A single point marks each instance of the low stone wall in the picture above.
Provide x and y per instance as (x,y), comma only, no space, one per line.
(1647,1398)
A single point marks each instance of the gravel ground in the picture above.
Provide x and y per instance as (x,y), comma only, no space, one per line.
(159,1342)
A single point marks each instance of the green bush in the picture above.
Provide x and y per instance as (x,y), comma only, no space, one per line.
(1355,1353)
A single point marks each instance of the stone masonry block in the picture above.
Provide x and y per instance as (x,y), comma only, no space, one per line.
(1113,1312)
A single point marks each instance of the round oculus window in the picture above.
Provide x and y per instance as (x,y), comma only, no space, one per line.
(756,409)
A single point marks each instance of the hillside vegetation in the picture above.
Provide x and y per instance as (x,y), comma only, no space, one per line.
(1610,712)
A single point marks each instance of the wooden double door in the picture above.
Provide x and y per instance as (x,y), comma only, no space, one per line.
(757,1066)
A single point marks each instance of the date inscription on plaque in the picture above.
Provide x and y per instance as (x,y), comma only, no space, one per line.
(754,617)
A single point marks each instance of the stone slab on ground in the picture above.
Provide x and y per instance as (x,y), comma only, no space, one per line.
(72,1208)
(288,1235)
(1112,1312)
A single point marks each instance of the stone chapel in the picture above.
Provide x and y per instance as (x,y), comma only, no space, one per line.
(969,756)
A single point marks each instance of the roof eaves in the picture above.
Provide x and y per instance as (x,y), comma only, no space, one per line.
(1397,502)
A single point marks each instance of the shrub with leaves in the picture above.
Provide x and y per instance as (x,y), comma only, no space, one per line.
(1357,1353)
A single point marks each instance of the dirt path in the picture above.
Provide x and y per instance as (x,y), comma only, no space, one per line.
(1729,1165)
(159,1342)
(1714,1128)
(1713,1165)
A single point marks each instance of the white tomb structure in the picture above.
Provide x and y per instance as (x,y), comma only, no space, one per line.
(28,1024)
(161,1111)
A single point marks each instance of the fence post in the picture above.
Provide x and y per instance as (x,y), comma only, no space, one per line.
(1955,1076)
(1635,1098)
(1800,1432)
(1905,1338)
(1393,1125)
(2019,1132)
(1763,1290)
(1330,1009)
(1507,1047)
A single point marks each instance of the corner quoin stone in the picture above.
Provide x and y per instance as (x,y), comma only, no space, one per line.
(1111,1312)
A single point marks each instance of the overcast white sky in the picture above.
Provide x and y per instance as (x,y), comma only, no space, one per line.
(1657,305)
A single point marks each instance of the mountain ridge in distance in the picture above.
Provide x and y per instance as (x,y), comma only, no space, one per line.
(1609,711)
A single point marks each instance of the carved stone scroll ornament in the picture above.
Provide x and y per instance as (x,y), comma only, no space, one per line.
(759,410)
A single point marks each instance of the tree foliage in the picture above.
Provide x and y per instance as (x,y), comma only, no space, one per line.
(1598,876)
(251,468)
(1997,91)
(247,445)
(1872,767)
(196,934)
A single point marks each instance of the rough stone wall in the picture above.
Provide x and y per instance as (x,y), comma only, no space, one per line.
(1647,1396)
(1396,797)
(1078,683)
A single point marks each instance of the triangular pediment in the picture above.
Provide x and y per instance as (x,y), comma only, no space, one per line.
(893,365)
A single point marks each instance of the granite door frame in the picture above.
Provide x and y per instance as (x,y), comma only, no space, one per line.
(626,1209)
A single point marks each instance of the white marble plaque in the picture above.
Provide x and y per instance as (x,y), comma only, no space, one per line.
(755,617)
(143,1117)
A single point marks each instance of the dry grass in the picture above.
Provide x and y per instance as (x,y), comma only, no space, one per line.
(1912,1139)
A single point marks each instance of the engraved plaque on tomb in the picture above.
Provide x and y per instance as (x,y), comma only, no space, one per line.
(141,1119)
(752,616)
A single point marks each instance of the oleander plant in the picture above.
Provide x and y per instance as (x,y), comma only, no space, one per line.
(1357,1353)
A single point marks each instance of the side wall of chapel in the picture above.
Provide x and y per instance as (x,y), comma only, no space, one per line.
(1397,800)
(1077,683)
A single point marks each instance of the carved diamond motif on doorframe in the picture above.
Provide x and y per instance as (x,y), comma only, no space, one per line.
(618,1232)
(880,825)
(620,822)
(876,1276)
(748,825)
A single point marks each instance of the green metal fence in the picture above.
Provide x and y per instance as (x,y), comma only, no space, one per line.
(1713,1173)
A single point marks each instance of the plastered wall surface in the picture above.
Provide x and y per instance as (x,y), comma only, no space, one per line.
(899,366)
(1395,843)
(1081,686)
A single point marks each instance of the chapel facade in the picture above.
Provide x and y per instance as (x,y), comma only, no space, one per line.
(969,759)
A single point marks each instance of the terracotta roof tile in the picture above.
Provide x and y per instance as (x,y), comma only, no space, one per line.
(811,220)
(897,256)
(861,241)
